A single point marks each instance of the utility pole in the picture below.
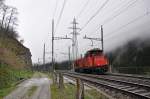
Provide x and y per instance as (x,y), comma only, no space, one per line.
(44,57)
(54,73)
(69,56)
(38,60)
(44,54)
(53,46)
(102,40)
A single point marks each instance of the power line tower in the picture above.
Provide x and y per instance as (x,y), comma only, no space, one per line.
(97,39)
(74,41)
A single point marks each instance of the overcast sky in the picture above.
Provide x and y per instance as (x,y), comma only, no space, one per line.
(122,20)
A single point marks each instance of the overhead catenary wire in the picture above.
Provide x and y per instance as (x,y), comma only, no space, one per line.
(59,18)
(95,14)
(129,4)
(125,25)
(120,12)
(83,8)
(55,9)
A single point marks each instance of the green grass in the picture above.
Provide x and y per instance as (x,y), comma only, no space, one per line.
(49,75)
(94,94)
(69,93)
(10,77)
(31,91)
(5,91)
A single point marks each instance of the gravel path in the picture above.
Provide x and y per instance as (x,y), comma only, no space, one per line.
(43,89)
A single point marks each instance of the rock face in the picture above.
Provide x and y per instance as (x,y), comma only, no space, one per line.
(13,53)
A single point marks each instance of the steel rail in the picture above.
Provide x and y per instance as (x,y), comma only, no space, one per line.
(119,85)
(113,79)
(130,75)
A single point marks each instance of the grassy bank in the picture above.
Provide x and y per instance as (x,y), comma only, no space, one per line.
(69,93)
(10,77)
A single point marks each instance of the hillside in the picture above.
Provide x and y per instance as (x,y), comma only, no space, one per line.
(13,53)
(132,56)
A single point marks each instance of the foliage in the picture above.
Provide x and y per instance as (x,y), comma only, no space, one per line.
(132,57)
(5,91)
(69,93)
(65,65)
(9,78)
(8,20)
(9,75)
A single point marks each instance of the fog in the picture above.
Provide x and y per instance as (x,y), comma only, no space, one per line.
(122,20)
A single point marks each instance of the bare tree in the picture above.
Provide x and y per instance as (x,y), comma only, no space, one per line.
(4,9)
(11,18)
(8,20)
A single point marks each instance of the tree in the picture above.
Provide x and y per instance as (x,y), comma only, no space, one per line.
(4,11)
(12,18)
(8,20)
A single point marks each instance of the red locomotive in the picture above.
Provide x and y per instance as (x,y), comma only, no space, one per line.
(94,61)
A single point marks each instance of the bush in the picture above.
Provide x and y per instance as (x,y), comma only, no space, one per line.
(8,76)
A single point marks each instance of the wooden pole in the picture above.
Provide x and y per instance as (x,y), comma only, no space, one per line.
(80,89)
(61,82)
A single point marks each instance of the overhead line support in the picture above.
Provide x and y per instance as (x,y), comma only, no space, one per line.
(97,39)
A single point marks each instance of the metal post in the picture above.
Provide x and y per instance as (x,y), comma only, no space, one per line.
(69,57)
(53,45)
(38,61)
(44,57)
(54,74)
(102,38)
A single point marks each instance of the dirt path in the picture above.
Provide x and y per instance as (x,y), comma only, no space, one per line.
(42,92)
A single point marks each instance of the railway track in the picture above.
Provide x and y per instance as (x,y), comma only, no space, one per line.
(130,86)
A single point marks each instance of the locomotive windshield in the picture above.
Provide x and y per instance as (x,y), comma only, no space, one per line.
(93,52)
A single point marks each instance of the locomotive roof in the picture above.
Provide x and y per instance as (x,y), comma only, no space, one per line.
(95,50)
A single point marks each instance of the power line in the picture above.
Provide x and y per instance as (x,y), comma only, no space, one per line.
(97,12)
(120,12)
(133,21)
(55,8)
(83,8)
(60,15)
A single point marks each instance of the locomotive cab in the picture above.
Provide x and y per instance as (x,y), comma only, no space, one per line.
(93,52)
(93,61)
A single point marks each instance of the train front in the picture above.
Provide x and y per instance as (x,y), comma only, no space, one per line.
(94,61)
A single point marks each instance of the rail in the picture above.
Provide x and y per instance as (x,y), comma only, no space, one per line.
(127,86)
